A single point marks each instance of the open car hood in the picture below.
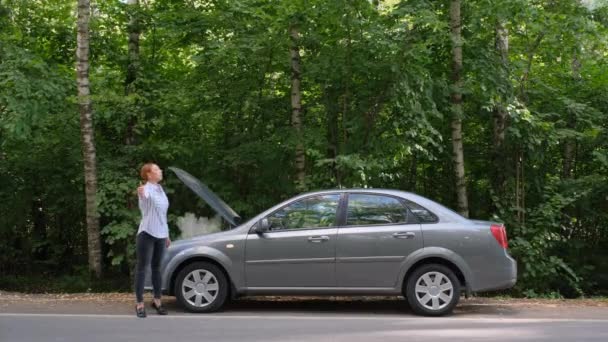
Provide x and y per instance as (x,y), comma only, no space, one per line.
(208,196)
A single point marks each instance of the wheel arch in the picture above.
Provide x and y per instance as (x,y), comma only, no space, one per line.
(199,258)
(435,260)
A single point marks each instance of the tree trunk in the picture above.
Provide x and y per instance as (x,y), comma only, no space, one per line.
(413,174)
(39,226)
(570,143)
(333,128)
(134,31)
(296,106)
(520,186)
(133,65)
(526,74)
(347,79)
(88,137)
(456,99)
(500,115)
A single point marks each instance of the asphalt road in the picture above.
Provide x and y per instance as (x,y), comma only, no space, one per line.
(300,321)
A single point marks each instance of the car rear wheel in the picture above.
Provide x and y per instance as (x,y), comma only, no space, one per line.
(432,290)
(201,287)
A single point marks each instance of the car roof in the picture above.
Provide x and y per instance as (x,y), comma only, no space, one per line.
(368,190)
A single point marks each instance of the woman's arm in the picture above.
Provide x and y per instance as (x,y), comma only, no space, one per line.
(142,195)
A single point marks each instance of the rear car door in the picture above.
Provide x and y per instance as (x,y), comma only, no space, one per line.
(379,233)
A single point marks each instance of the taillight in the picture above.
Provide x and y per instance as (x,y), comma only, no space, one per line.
(500,234)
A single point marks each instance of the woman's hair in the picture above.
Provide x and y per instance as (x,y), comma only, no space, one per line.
(145,169)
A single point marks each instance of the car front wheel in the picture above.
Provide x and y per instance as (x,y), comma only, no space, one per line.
(201,287)
(432,290)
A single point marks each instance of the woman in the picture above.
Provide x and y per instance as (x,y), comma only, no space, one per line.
(152,236)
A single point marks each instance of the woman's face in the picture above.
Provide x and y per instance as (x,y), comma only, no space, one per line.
(155,174)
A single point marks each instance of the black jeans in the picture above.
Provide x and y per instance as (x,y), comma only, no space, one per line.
(150,251)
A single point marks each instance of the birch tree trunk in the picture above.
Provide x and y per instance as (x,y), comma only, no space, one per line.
(296,105)
(520,181)
(133,65)
(570,143)
(500,115)
(456,98)
(332,133)
(88,137)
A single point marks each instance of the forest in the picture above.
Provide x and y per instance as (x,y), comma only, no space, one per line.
(497,109)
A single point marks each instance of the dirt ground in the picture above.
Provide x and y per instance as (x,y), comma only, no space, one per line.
(122,303)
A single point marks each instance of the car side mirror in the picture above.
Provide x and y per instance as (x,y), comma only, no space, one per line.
(263,226)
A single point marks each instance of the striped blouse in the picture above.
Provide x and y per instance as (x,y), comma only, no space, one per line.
(153,206)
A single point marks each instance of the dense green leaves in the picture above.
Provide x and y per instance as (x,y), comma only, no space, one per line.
(212,96)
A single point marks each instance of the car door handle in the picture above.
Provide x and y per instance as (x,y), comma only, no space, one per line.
(405,235)
(317,239)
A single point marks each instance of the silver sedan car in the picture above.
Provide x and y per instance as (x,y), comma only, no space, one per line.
(340,242)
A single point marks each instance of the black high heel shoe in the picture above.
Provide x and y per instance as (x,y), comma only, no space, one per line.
(141,312)
(160,309)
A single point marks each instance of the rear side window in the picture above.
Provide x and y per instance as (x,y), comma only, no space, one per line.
(365,210)
(421,213)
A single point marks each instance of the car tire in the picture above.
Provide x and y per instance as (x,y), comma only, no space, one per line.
(201,287)
(432,290)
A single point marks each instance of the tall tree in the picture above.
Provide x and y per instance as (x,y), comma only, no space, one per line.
(88,137)
(500,111)
(570,143)
(456,99)
(133,63)
(296,103)
(531,52)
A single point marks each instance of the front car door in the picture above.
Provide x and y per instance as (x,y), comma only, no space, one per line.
(299,248)
(380,232)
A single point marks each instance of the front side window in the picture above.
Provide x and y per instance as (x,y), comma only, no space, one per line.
(311,212)
(364,210)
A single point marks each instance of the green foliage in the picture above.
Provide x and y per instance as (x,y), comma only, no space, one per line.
(212,96)
(537,244)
